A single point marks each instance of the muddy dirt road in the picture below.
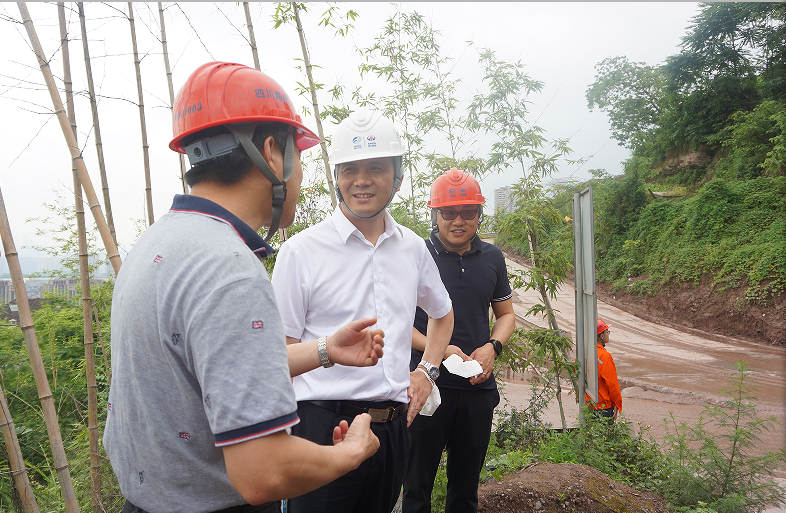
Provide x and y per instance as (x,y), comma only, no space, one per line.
(664,370)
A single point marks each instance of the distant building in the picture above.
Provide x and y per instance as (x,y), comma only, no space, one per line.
(9,314)
(68,288)
(7,294)
(504,200)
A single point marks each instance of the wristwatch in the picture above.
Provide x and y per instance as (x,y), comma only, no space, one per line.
(432,370)
(323,354)
(497,345)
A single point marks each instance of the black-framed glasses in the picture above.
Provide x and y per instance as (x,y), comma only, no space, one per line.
(449,215)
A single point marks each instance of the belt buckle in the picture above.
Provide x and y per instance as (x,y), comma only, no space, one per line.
(381,414)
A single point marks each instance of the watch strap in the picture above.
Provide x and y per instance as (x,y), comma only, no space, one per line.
(430,368)
(323,354)
(497,345)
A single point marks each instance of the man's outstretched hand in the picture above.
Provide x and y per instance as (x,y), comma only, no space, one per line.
(358,439)
(356,344)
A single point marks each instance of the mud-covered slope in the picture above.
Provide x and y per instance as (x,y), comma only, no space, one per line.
(703,308)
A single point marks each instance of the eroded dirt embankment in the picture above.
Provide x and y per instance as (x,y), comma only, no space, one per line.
(704,308)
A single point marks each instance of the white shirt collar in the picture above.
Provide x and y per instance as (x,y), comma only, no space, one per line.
(345,228)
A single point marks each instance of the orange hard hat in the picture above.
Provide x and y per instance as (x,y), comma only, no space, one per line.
(602,326)
(223,93)
(455,187)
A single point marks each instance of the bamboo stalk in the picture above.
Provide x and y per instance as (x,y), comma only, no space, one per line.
(17,463)
(107,367)
(317,117)
(37,364)
(143,125)
(95,207)
(87,318)
(171,91)
(251,36)
(96,124)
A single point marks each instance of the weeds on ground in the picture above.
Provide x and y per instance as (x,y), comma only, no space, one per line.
(698,472)
(613,448)
(721,470)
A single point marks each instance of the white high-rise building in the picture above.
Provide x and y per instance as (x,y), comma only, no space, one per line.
(504,200)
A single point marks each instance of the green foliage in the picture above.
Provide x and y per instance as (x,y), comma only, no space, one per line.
(614,449)
(632,94)
(697,471)
(617,206)
(59,329)
(731,59)
(504,460)
(756,143)
(503,110)
(722,470)
(411,217)
(737,40)
(732,231)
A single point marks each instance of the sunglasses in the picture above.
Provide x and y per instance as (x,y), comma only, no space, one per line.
(449,215)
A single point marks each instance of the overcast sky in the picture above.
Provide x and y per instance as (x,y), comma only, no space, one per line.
(559,43)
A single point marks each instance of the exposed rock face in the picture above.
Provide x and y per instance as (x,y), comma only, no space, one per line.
(565,487)
(686,161)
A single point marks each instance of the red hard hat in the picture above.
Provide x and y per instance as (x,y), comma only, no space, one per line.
(222,93)
(455,187)
(602,326)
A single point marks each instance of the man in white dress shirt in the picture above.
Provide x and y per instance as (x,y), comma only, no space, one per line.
(361,263)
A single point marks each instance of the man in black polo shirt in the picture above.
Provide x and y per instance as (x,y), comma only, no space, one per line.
(475,275)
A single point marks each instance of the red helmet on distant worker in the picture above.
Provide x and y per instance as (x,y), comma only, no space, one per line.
(455,187)
(224,93)
(602,326)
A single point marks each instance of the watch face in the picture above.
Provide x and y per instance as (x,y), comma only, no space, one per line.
(433,370)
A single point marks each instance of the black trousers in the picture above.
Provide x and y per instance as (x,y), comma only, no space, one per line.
(373,486)
(604,414)
(462,424)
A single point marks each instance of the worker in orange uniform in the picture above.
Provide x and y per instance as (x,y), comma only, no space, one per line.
(609,395)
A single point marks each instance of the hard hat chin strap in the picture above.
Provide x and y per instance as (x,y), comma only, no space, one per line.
(279,186)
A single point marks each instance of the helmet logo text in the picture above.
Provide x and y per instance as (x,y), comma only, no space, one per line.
(372,141)
(271,93)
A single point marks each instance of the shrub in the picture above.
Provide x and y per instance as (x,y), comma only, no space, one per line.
(721,471)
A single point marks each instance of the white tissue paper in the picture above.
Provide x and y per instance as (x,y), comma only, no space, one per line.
(457,366)
(432,403)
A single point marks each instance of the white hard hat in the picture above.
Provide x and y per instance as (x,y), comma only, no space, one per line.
(366,134)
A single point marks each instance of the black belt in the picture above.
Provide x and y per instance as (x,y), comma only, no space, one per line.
(268,507)
(354,408)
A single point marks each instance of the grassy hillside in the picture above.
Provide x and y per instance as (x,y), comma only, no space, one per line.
(701,205)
